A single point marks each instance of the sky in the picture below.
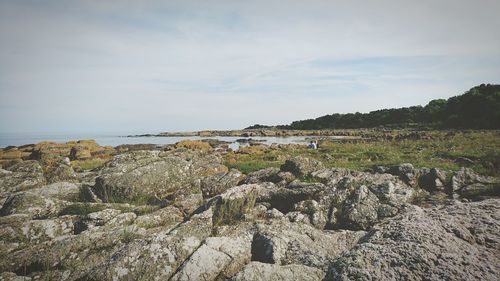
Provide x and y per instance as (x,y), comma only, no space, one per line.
(152,66)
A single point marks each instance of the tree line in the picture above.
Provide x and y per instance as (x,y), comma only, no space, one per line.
(478,108)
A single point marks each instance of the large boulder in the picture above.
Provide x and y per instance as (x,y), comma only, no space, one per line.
(47,150)
(282,242)
(360,210)
(285,198)
(407,173)
(60,190)
(219,183)
(433,180)
(22,176)
(156,257)
(167,217)
(233,204)
(356,200)
(59,170)
(217,258)
(264,175)
(12,156)
(359,205)
(77,254)
(155,174)
(301,166)
(76,150)
(456,242)
(467,176)
(33,205)
(37,231)
(342,199)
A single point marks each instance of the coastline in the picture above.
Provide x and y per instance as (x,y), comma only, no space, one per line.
(276,133)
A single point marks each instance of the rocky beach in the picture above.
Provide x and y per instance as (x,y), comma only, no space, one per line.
(249,140)
(81,211)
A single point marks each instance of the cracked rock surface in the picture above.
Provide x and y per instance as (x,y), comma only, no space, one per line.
(182,215)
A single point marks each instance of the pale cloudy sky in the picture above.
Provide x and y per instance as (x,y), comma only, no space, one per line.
(150,66)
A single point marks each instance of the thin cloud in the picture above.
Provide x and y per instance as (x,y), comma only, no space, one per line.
(182,65)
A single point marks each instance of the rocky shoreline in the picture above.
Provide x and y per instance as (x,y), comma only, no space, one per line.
(243,133)
(177,212)
(380,133)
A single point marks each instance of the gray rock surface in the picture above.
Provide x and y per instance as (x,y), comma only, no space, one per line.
(21,176)
(181,215)
(218,257)
(301,166)
(32,204)
(273,175)
(467,176)
(360,210)
(59,190)
(156,257)
(256,271)
(433,180)
(164,218)
(282,242)
(407,173)
(219,183)
(60,171)
(456,242)
(155,174)
(233,204)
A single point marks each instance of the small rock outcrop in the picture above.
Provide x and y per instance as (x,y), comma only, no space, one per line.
(194,145)
(22,176)
(301,166)
(219,183)
(283,242)
(75,150)
(466,176)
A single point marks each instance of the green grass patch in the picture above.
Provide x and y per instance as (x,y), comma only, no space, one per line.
(128,236)
(231,210)
(81,209)
(88,165)
(249,165)
(440,151)
(146,209)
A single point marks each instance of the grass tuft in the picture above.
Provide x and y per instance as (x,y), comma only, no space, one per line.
(229,211)
(88,165)
(81,209)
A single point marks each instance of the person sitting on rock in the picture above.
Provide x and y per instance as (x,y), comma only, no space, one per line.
(312,145)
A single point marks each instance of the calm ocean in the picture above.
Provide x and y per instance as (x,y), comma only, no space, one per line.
(114,140)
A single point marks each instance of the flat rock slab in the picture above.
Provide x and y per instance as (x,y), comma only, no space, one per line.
(257,271)
(456,242)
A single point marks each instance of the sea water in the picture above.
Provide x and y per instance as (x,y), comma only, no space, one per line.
(116,139)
